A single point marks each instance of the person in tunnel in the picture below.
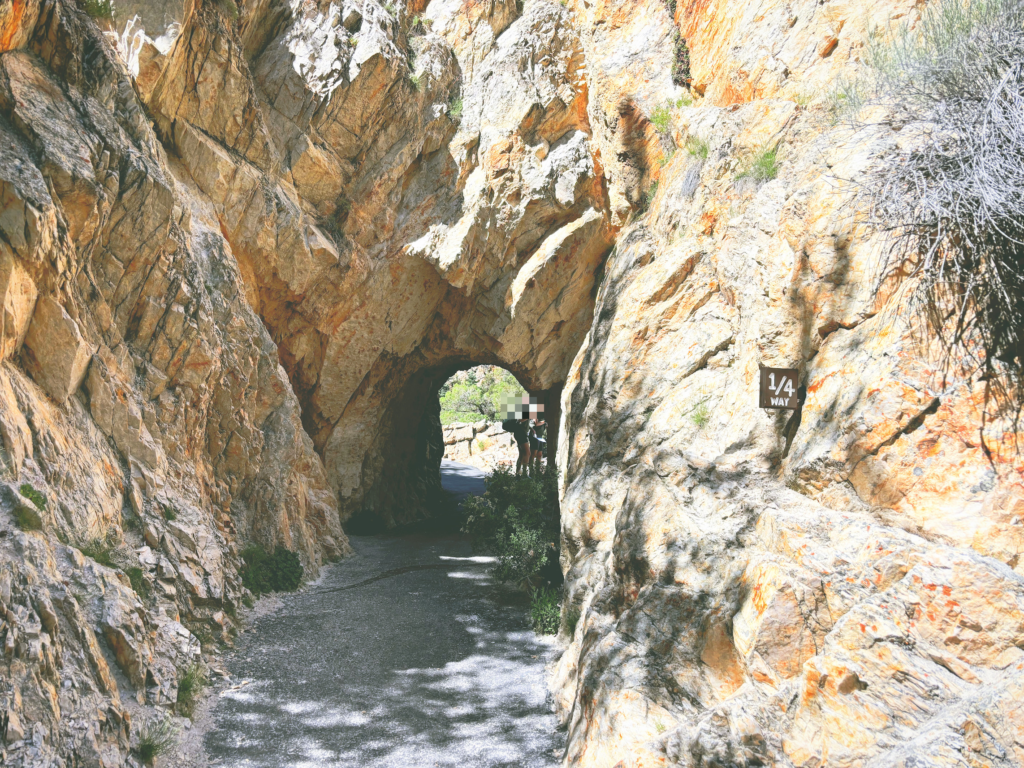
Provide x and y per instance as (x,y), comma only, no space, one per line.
(521,433)
(537,442)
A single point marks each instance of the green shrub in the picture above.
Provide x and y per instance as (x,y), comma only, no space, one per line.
(701,414)
(686,100)
(517,519)
(190,686)
(263,572)
(698,147)
(33,495)
(415,81)
(545,610)
(156,738)
(455,108)
(229,8)
(27,519)
(764,166)
(951,195)
(138,581)
(170,513)
(648,200)
(248,602)
(661,118)
(99,9)
(390,8)
(572,618)
(100,551)
(521,551)
(681,63)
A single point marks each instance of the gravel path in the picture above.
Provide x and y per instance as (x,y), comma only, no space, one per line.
(405,655)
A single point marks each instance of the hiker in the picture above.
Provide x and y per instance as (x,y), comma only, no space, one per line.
(537,442)
(521,433)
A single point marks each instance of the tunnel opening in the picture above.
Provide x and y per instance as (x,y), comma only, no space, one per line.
(408,490)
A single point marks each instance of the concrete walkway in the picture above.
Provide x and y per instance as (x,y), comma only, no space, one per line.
(405,655)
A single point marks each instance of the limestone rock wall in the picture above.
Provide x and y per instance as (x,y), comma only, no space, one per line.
(839,587)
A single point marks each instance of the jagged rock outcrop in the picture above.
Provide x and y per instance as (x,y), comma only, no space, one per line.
(242,247)
(841,586)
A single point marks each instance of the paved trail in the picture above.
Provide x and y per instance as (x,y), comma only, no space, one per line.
(405,655)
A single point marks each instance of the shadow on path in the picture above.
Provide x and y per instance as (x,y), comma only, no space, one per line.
(404,655)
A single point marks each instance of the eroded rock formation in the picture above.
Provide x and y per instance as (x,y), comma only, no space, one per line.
(242,247)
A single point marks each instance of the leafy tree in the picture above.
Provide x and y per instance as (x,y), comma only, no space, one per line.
(477,394)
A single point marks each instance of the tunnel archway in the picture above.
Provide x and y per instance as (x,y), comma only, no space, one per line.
(404,477)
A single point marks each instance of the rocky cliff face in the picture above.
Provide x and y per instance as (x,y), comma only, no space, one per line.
(243,246)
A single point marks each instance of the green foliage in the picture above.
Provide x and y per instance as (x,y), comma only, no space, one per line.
(139,583)
(477,394)
(701,414)
(681,62)
(156,738)
(661,118)
(950,196)
(414,80)
(170,513)
(263,572)
(667,158)
(33,495)
(764,166)
(686,100)
(190,686)
(28,518)
(521,551)
(353,41)
(545,610)
(698,147)
(517,519)
(248,602)
(455,108)
(99,9)
(100,551)
(390,8)
(572,618)
(229,8)
(648,200)
(659,726)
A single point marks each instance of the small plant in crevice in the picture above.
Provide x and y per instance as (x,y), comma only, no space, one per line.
(698,147)
(156,737)
(138,581)
(99,9)
(572,618)
(667,158)
(701,415)
(390,9)
(33,495)
(455,108)
(661,118)
(262,572)
(414,80)
(648,199)
(681,62)
(100,551)
(545,610)
(229,8)
(170,513)
(659,726)
(763,166)
(191,684)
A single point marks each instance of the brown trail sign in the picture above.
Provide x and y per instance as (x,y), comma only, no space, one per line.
(779,388)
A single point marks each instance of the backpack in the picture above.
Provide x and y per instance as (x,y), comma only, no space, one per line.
(509,425)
